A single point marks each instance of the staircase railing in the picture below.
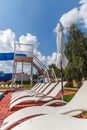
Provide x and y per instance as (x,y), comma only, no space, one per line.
(39,63)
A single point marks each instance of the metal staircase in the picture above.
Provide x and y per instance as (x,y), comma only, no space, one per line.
(39,65)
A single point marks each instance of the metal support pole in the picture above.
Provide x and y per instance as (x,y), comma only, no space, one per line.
(62,81)
(14,67)
(12,76)
(22,76)
(31,75)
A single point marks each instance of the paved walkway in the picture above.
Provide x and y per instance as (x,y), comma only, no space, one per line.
(4,105)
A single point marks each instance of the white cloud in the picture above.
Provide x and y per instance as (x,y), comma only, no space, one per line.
(6,66)
(76,15)
(40,56)
(7,40)
(52,59)
(71,17)
(83,13)
(28,39)
(82,1)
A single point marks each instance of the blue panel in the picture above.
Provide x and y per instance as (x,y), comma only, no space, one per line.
(9,56)
(5,77)
(24,55)
(6,56)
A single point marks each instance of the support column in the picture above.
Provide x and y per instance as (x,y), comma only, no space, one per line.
(22,75)
(31,75)
(14,73)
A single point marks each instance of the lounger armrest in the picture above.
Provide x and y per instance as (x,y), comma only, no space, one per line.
(54,101)
(44,97)
(39,95)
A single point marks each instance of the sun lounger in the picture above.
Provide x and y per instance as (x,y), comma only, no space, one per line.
(29,92)
(6,86)
(53,122)
(46,88)
(2,86)
(78,103)
(26,112)
(32,92)
(44,98)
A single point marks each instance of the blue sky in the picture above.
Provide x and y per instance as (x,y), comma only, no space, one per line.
(38,17)
(22,19)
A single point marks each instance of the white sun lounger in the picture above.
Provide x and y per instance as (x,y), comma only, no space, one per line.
(24,113)
(30,89)
(44,98)
(78,103)
(43,91)
(37,88)
(34,87)
(22,91)
(53,122)
(28,92)
(40,89)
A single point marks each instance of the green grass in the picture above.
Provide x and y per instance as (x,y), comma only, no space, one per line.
(71,89)
(85,113)
(26,85)
(67,98)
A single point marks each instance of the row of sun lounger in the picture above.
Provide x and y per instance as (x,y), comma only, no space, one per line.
(44,96)
(10,86)
(52,117)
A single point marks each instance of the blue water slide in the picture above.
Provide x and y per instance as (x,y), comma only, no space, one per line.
(9,56)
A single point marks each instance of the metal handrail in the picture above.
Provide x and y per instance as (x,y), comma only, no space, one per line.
(39,62)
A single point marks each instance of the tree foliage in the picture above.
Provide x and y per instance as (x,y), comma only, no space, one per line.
(76,52)
(57,71)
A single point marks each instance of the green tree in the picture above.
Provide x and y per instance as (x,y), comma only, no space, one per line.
(57,71)
(76,52)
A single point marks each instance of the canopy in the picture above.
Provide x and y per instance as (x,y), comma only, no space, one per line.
(62,61)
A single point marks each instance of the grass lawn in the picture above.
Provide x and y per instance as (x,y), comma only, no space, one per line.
(26,85)
(85,113)
(67,98)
